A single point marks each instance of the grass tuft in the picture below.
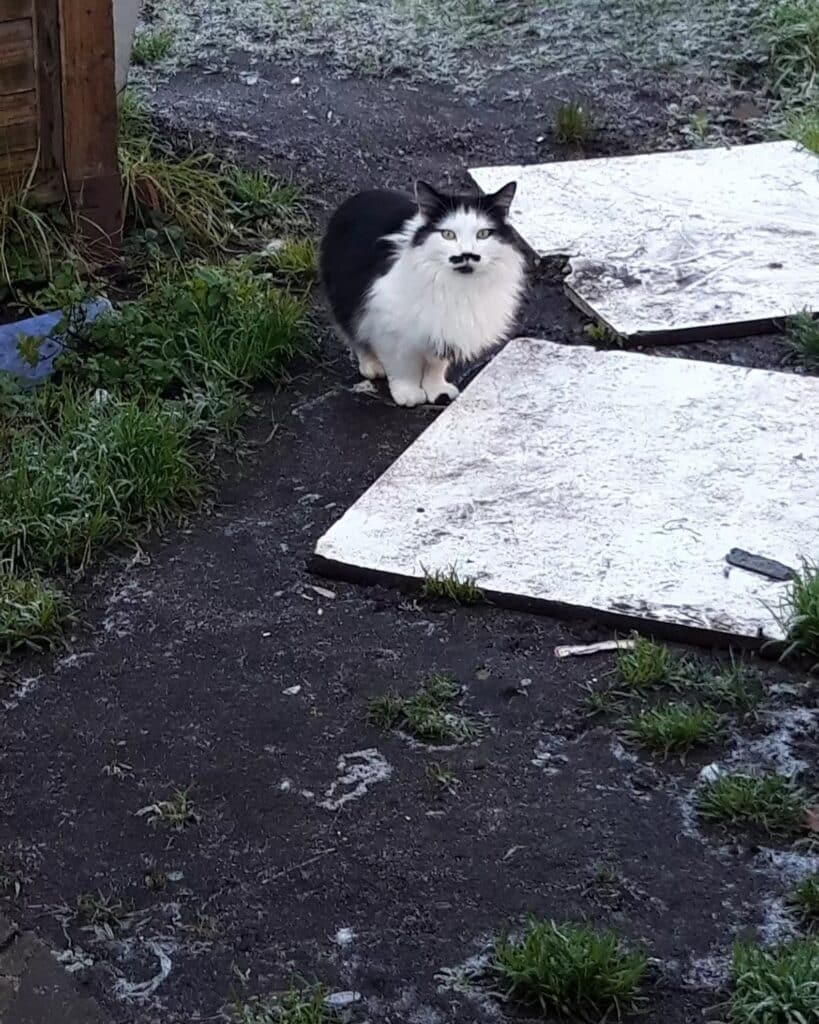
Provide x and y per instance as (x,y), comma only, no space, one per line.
(803,336)
(32,612)
(449,585)
(647,664)
(804,898)
(572,124)
(803,127)
(87,471)
(442,778)
(736,686)
(569,970)
(799,612)
(775,986)
(152,45)
(674,728)
(178,812)
(293,1007)
(791,28)
(33,240)
(768,801)
(202,326)
(427,715)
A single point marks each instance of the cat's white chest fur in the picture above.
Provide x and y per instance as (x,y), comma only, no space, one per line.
(423,305)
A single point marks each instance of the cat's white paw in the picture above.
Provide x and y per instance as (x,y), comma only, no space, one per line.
(434,391)
(407,394)
(370,367)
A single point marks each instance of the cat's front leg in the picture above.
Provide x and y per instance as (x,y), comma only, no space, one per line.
(434,380)
(404,369)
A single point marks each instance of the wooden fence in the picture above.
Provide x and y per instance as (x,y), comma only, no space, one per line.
(58,110)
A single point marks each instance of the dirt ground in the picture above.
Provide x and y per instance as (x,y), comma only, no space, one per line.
(185,668)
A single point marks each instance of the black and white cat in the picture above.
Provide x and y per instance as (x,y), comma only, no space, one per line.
(414,286)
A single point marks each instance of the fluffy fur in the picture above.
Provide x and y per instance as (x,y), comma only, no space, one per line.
(415,286)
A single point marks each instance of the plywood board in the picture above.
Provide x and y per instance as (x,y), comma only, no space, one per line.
(604,483)
(678,245)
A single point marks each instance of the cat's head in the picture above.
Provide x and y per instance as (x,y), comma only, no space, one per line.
(469,234)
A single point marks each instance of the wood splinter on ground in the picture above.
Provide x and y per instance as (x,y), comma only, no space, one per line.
(579,650)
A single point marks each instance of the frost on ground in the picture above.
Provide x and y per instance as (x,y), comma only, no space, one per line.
(464,40)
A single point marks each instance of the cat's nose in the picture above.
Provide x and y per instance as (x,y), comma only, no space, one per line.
(465,257)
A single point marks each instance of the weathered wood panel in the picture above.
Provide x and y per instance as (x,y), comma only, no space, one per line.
(89,110)
(49,87)
(18,121)
(11,9)
(16,56)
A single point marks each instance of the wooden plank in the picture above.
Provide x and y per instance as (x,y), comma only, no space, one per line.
(90,113)
(18,122)
(14,167)
(12,9)
(16,56)
(49,87)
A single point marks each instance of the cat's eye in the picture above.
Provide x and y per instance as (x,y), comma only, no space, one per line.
(448,235)
(485,233)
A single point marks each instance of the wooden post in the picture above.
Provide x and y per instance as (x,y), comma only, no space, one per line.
(89,114)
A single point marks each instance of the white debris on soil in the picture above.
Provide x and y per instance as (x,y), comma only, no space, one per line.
(359,771)
(125,597)
(138,990)
(791,865)
(547,754)
(344,936)
(20,691)
(706,972)
(581,650)
(778,924)
(74,959)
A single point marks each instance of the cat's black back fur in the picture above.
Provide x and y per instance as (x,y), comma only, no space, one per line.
(353,251)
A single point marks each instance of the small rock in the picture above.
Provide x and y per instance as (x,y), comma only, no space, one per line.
(338,1000)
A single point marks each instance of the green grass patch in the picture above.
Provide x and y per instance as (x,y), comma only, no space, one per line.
(803,127)
(298,1006)
(33,241)
(767,801)
(802,332)
(179,811)
(449,585)
(799,612)
(674,728)
(572,124)
(442,778)
(646,665)
(736,686)
(428,714)
(82,472)
(775,986)
(152,45)
(804,899)
(32,612)
(572,971)
(206,324)
(791,29)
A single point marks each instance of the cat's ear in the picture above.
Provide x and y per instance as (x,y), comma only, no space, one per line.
(429,201)
(502,199)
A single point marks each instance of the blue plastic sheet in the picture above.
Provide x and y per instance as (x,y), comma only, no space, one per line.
(49,345)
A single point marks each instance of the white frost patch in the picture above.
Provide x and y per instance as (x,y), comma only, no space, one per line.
(546,754)
(778,925)
(74,959)
(21,691)
(344,936)
(144,989)
(777,747)
(359,771)
(706,972)
(118,620)
(792,865)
